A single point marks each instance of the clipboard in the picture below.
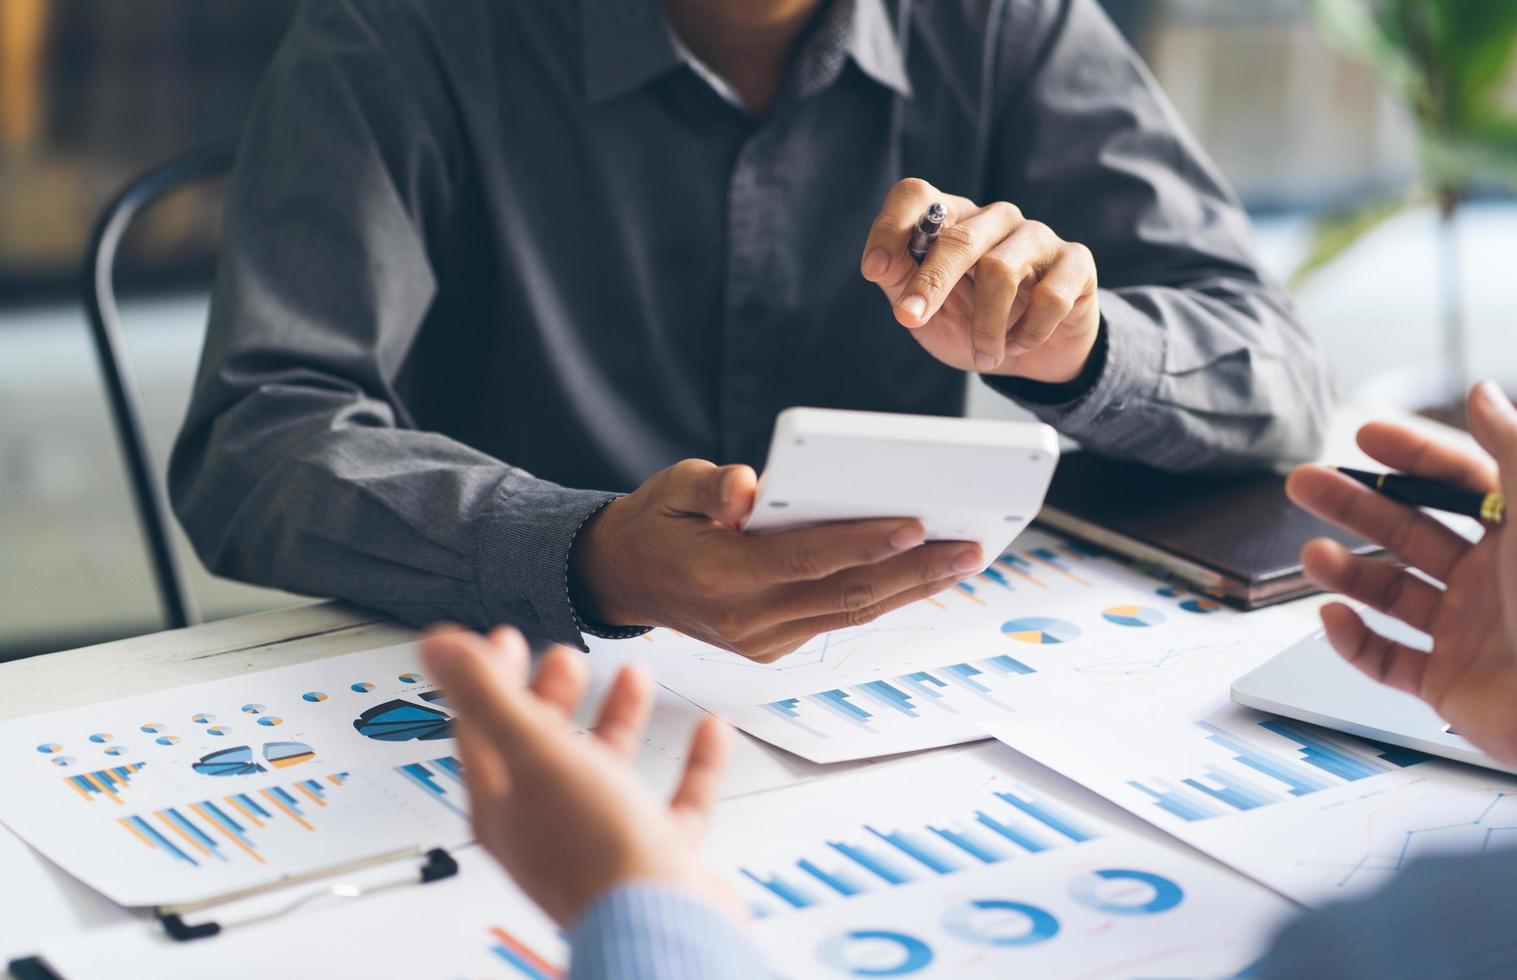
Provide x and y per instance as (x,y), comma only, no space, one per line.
(184,923)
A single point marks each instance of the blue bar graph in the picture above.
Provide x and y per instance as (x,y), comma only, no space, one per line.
(999,825)
(1022,838)
(1047,817)
(792,895)
(918,850)
(845,884)
(1182,804)
(441,780)
(873,863)
(988,852)
(837,702)
(1321,762)
(883,694)
(994,575)
(903,699)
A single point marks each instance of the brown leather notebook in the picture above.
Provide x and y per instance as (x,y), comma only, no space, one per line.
(1237,538)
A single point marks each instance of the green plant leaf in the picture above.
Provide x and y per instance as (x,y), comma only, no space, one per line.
(1335,233)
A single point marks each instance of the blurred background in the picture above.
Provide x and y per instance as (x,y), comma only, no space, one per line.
(1287,97)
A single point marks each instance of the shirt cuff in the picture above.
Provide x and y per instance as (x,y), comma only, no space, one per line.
(1113,408)
(522,562)
(654,931)
(595,629)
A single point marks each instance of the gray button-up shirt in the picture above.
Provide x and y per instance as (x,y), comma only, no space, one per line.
(488,262)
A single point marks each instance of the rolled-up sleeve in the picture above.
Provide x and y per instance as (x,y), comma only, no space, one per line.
(299,465)
(1206,364)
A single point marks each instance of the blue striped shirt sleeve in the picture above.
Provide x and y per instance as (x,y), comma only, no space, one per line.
(654,931)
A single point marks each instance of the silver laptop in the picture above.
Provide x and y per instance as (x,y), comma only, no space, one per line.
(1311,683)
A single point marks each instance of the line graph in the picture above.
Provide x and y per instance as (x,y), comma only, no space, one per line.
(1465,823)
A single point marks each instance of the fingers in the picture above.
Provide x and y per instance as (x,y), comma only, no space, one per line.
(958,249)
(484,772)
(1410,451)
(561,678)
(1416,537)
(1494,423)
(1391,663)
(1393,591)
(783,640)
(705,765)
(484,684)
(1063,284)
(862,588)
(624,713)
(722,493)
(815,553)
(886,260)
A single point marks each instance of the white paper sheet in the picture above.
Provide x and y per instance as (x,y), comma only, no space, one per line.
(1314,814)
(1049,620)
(965,863)
(477,924)
(189,793)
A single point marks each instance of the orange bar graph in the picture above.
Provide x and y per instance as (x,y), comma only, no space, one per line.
(287,811)
(307,791)
(123,821)
(524,951)
(181,832)
(232,801)
(226,833)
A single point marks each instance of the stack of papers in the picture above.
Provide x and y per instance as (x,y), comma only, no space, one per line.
(876,843)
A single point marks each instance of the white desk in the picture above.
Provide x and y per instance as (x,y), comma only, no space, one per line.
(39,903)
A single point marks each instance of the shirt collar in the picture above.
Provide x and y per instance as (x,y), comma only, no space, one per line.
(628,43)
(875,47)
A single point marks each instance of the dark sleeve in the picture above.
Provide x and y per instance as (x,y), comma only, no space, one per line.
(1449,917)
(299,465)
(1206,365)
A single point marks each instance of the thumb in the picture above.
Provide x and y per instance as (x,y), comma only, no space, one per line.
(722,493)
(1493,421)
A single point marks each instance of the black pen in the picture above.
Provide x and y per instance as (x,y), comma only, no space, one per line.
(1419,491)
(929,225)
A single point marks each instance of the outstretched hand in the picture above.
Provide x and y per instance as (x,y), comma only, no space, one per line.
(1470,676)
(566,814)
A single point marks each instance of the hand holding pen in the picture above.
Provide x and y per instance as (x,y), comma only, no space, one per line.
(984,288)
(1462,592)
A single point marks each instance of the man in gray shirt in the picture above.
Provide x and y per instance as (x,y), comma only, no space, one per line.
(491,263)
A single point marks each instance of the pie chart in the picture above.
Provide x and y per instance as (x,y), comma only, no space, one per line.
(1132,615)
(315,697)
(1199,605)
(1040,629)
(284,754)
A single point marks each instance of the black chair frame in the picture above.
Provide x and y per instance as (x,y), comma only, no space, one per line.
(148,491)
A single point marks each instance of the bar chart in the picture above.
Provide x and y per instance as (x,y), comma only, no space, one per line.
(1256,770)
(1116,907)
(230,827)
(998,825)
(105,783)
(908,696)
(441,780)
(521,958)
